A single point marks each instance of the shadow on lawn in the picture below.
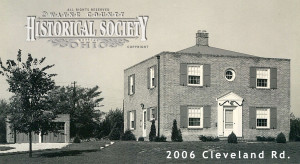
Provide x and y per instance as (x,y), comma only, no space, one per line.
(66,153)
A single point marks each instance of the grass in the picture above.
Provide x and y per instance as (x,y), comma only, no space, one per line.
(4,148)
(153,152)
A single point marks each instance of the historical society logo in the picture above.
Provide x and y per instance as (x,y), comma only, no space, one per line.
(86,28)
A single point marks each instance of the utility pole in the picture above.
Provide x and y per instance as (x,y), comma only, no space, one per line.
(74,94)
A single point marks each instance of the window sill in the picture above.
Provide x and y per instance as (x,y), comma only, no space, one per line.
(152,88)
(195,128)
(262,128)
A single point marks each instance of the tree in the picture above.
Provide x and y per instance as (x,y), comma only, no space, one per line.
(4,106)
(30,85)
(114,118)
(152,133)
(82,104)
(176,134)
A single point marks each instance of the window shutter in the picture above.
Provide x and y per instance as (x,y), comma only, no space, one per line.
(273,118)
(128,119)
(252,77)
(206,75)
(148,78)
(206,116)
(133,89)
(155,75)
(183,116)
(128,85)
(155,113)
(183,74)
(134,116)
(273,82)
(252,117)
(148,114)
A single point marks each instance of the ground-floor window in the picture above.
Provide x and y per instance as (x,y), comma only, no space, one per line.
(131,120)
(195,116)
(262,118)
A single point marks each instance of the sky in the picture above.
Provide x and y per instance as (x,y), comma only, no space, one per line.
(265,28)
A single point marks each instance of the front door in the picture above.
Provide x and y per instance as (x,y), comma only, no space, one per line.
(144,123)
(228,120)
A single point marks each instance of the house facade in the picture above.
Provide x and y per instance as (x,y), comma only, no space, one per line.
(209,91)
(62,136)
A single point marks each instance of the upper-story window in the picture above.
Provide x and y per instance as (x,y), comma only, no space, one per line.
(195,75)
(152,77)
(263,78)
(131,84)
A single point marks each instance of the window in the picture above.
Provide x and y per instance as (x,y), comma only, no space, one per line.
(195,115)
(262,118)
(131,120)
(131,85)
(152,77)
(230,74)
(263,78)
(153,114)
(195,75)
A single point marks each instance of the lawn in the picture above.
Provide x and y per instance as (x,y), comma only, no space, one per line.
(153,152)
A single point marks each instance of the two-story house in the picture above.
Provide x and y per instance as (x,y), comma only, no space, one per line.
(209,91)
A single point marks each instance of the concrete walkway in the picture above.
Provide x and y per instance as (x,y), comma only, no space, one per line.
(23,147)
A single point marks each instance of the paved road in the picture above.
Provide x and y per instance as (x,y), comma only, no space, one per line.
(21,147)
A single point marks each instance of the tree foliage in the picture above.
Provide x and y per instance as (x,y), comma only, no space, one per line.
(83,106)
(114,118)
(30,84)
(294,128)
(4,106)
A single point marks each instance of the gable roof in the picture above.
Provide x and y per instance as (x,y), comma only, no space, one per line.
(212,51)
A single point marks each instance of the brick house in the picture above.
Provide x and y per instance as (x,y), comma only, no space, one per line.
(209,91)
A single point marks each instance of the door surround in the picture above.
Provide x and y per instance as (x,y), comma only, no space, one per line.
(234,102)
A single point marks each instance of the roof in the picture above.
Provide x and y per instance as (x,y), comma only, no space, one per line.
(212,51)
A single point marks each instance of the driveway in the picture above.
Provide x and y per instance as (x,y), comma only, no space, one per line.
(23,147)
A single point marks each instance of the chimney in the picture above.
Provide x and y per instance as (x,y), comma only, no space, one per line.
(202,38)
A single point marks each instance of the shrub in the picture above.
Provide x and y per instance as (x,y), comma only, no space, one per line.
(176,134)
(76,140)
(295,128)
(209,138)
(152,133)
(141,139)
(128,136)
(262,138)
(232,138)
(281,138)
(161,138)
(115,133)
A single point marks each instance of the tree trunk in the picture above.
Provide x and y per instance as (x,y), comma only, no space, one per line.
(30,144)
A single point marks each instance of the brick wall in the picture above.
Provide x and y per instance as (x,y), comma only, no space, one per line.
(173,95)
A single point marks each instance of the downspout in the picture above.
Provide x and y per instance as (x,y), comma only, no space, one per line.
(158,95)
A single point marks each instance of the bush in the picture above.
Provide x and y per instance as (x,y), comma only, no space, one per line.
(297,138)
(281,138)
(76,140)
(141,139)
(115,133)
(162,138)
(152,133)
(232,138)
(209,138)
(295,128)
(176,134)
(262,138)
(128,136)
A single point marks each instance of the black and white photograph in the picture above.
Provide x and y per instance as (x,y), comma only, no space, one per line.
(149,81)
